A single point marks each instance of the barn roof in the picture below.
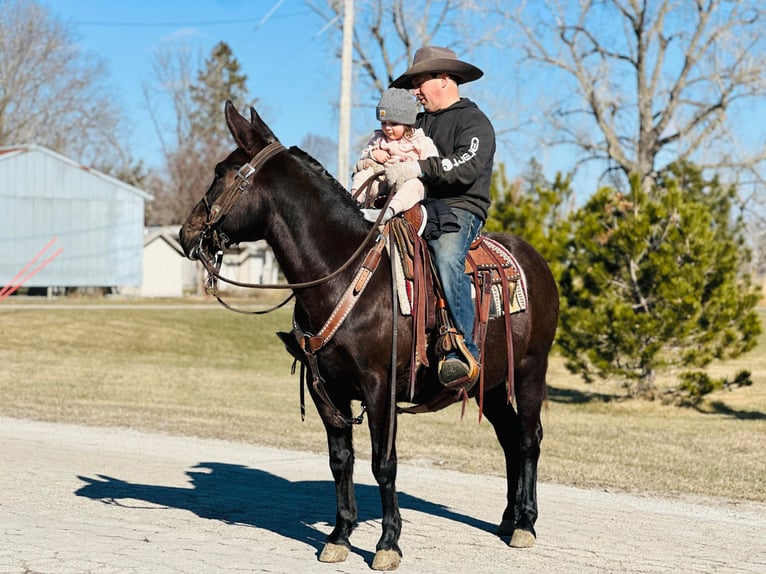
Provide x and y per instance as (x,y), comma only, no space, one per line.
(10,152)
(168,234)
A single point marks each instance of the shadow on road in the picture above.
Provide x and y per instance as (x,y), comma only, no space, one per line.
(238,494)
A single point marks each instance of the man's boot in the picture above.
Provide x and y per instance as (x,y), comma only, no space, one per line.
(456,370)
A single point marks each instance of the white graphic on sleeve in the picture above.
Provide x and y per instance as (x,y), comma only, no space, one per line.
(448,164)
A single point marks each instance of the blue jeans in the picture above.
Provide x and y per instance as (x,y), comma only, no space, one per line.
(449,252)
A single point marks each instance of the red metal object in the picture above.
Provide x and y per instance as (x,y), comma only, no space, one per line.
(20,278)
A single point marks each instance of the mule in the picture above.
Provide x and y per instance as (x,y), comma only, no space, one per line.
(264,191)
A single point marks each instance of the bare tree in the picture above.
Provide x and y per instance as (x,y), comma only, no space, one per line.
(168,97)
(655,81)
(52,92)
(387,32)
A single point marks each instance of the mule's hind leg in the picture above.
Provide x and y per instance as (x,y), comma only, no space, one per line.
(505,421)
(520,435)
(341,449)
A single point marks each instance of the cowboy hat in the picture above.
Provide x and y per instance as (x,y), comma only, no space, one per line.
(437,60)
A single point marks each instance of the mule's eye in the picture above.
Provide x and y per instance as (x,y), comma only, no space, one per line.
(220,170)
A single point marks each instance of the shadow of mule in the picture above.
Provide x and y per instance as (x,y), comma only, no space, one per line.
(237,494)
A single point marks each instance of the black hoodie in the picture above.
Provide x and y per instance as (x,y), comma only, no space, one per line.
(462,173)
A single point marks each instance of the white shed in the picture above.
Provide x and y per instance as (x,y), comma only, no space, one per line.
(168,273)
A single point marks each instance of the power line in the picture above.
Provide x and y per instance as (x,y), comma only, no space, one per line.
(158,24)
(260,21)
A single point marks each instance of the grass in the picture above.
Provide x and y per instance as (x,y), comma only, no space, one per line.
(207,372)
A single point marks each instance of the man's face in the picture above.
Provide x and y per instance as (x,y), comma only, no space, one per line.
(427,89)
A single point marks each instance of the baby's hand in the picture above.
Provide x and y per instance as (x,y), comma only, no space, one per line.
(380,155)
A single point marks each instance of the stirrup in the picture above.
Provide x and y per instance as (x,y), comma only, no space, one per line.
(470,368)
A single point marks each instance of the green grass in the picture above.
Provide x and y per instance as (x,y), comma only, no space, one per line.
(208,372)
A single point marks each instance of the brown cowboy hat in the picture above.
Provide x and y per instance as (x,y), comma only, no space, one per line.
(437,60)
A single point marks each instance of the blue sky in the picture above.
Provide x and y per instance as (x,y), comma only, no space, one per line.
(286,57)
(290,64)
(293,72)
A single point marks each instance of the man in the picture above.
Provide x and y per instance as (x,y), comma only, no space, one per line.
(460,177)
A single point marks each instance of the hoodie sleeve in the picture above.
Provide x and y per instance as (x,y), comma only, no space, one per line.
(473,149)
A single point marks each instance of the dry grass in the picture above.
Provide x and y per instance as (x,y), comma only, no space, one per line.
(207,372)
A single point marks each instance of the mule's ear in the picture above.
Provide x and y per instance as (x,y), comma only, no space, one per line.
(240,128)
(260,127)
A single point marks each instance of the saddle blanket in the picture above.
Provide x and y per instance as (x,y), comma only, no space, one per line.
(518,289)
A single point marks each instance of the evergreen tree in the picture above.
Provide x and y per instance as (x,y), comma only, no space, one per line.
(201,136)
(534,209)
(221,79)
(653,281)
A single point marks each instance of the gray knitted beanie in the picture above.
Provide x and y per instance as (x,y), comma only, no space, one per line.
(397,106)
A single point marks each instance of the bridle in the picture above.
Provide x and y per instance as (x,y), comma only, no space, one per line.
(229,196)
(309,344)
(220,209)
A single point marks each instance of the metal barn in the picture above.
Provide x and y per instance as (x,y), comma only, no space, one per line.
(65,225)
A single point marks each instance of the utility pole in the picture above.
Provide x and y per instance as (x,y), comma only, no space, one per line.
(344,122)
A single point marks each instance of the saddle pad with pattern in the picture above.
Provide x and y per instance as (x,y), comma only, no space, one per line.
(488,255)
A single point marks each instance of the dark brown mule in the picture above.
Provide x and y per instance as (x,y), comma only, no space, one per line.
(313,226)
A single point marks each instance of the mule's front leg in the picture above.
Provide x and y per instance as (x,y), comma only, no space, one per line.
(387,555)
(341,449)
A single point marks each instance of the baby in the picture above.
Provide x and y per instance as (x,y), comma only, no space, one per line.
(397,140)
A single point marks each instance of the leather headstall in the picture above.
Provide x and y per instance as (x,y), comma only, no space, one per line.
(230,195)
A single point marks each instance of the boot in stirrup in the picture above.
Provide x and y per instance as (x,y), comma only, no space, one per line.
(456,371)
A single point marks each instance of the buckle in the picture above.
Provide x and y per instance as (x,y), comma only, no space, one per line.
(245,172)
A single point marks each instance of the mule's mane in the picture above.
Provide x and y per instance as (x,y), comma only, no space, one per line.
(323,178)
(312,163)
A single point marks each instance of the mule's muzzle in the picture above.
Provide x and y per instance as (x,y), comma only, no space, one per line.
(191,242)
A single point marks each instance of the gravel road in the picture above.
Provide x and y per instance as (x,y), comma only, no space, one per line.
(76,500)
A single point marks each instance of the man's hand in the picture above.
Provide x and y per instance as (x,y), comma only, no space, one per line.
(371,215)
(398,173)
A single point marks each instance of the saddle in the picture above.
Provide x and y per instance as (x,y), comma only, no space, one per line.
(490,265)
(497,283)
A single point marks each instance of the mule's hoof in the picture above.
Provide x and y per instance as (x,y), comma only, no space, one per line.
(386,560)
(505,528)
(522,539)
(333,553)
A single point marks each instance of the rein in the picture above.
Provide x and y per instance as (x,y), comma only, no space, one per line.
(309,344)
(220,209)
